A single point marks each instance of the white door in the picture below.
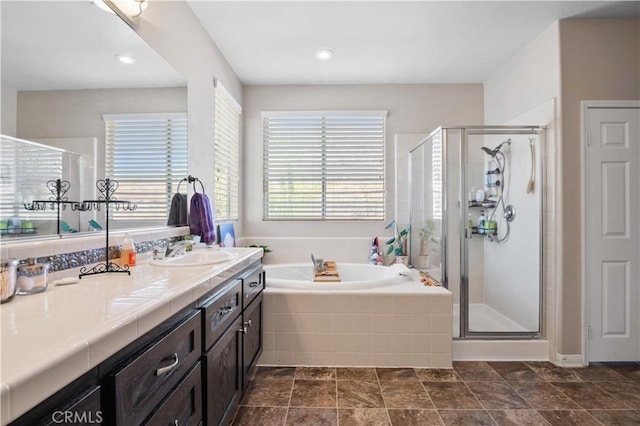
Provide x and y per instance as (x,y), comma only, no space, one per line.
(613,233)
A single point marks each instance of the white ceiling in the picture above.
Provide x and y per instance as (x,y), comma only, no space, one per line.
(270,42)
(62,45)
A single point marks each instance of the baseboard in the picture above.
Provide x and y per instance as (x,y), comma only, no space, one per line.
(569,361)
(500,350)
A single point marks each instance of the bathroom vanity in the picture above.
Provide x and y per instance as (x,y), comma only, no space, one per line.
(162,346)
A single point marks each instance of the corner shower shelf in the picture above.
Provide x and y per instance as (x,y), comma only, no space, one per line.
(485,204)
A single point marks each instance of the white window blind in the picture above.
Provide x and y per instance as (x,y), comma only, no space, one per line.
(147,155)
(436,176)
(324,165)
(226,151)
(25,169)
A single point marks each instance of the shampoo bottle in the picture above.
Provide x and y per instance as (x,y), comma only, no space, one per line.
(481,221)
(128,252)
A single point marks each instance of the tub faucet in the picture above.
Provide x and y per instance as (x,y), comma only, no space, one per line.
(178,248)
(318,264)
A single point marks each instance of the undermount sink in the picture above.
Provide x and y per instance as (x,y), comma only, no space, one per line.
(199,258)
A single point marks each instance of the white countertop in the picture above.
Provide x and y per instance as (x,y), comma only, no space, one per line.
(51,338)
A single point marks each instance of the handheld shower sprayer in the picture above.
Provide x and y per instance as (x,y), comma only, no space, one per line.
(493,152)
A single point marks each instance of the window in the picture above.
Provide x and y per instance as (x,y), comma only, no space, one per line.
(26,168)
(226,151)
(324,165)
(147,155)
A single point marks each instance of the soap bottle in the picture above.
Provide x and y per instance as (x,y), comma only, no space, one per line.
(128,252)
(481,221)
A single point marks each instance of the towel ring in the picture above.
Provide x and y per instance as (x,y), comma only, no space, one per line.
(193,180)
(180,183)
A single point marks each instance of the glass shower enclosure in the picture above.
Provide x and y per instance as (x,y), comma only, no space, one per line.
(476,225)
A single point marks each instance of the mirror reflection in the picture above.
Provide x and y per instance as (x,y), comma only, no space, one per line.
(63,87)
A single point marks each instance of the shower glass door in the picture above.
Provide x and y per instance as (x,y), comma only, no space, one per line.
(500,208)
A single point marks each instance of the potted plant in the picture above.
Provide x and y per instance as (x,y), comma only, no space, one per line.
(398,243)
(426,239)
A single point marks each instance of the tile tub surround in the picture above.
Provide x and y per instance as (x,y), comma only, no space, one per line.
(472,393)
(402,325)
(49,339)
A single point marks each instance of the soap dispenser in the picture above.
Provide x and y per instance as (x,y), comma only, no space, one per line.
(128,252)
(481,220)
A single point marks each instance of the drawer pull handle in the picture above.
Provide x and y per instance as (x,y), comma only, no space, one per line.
(243,330)
(225,310)
(254,284)
(163,370)
(175,423)
(247,323)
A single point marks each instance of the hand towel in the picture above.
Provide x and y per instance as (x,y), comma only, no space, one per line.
(178,211)
(201,222)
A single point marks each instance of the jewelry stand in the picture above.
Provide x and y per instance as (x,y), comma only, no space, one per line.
(57,201)
(107,189)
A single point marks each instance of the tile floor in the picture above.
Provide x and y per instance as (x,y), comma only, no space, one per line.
(472,393)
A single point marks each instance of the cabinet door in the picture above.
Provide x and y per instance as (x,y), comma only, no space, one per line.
(149,377)
(223,376)
(184,405)
(252,338)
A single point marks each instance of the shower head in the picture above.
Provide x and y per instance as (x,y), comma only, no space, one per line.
(493,152)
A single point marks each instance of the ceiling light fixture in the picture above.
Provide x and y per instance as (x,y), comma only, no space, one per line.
(128,10)
(126,59)
(324,54)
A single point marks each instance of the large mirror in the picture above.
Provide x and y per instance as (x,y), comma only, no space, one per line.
(62,82)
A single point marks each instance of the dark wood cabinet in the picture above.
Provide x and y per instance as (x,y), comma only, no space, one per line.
(223,376)
(191,369)
(252,338)
(183,406)
(143,382)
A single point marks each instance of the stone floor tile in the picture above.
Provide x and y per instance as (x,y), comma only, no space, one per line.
(569,418)
(313,393)
(617,417)
(589,396)
(497,396)
(475,371)
(553,373)
(414,417)
(600,373)
(515,371)
(517,418)
(451,396)
(268,393)
(396,374)
(359,394)
(363,417)
(275,373)
(346,373)
(466,417)
(316,373)
(269,416)
(311,417)
(543,396)
(437,375)
(627,392)
(405,394)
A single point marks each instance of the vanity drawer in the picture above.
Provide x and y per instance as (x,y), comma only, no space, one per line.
(184,405)
(220,311)
(252,285)
(146,380)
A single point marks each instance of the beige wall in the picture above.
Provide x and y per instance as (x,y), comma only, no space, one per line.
(78,113)
(411,109)
(173,31)
(8,110)
(600,60)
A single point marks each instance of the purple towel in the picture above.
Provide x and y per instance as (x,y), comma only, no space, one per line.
(201,222)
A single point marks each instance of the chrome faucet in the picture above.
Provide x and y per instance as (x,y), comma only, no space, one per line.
(178,248)
(318,264)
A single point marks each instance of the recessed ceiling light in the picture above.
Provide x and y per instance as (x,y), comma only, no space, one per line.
(126,59)
(324,54)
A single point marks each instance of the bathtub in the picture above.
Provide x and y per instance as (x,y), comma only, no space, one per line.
(374,317)
(352,276)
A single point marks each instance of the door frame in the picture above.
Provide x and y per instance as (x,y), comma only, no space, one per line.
(584,109)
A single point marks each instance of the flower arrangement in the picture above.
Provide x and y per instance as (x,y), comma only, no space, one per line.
(398,243)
